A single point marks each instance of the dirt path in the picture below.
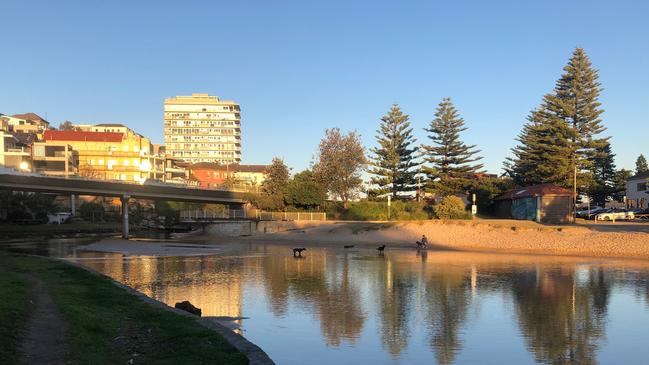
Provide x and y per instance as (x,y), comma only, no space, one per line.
(45,339)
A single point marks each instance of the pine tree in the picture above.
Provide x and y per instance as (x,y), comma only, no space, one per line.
(576,101)
(562,137)
(543,153)
(394,159)
(641,165)
(601,186)
(450,160)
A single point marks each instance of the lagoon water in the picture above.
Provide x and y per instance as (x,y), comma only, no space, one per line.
(337,306)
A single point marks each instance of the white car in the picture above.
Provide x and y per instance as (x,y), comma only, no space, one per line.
(615,214)
(58,218)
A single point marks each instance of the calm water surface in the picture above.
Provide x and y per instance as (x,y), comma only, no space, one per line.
(337,306)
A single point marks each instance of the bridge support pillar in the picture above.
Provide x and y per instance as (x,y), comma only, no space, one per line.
(124,200)
(73,205)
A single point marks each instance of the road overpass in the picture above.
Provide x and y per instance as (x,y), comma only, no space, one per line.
(124,191)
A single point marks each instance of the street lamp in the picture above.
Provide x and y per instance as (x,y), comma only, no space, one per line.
(24,166)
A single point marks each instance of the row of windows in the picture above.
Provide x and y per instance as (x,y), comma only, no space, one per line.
(200,123)
(201,146)
(110,163)
(180,138)
(194,131)
(201,153)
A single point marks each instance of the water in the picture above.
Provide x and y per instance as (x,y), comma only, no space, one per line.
(337,306)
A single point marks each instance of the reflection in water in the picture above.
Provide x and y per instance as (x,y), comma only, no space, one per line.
(562,313)
(405,307)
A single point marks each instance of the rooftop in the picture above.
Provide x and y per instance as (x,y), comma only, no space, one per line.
(198,99)
(31,116)
(535,190)
(52,135)
(640,176)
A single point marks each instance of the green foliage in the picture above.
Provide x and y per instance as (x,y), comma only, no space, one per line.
(22,205)
(168,212)
(273,189)
(15,293)
(393,160)
(451,207)
(377,211)
(450,161)
(486,189)
(92,212)
(619,184)
(641,165)
(601,183)
(339,163)
(562,135)
(303,191)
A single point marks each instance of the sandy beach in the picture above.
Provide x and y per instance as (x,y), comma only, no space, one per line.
(501,236)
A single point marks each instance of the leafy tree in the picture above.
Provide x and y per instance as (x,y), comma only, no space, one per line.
(488,188)
(569,122)
(26,205)
(274,185)
(450,160)
(66,126)
(393,160)
(641,165)
(304,191)
(339,163)
(92,212)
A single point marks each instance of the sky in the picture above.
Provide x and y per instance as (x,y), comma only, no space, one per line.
(298,67)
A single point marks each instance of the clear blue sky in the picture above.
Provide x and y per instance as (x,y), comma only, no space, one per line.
(298,67)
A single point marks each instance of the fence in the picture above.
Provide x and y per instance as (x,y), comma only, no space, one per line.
(291,216)
(207,215)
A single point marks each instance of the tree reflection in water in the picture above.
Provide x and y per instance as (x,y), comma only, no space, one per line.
(562,314)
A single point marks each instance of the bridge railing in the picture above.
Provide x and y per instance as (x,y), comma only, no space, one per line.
(291,216)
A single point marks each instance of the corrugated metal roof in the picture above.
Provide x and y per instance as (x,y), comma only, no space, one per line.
(52,135)
(535,190)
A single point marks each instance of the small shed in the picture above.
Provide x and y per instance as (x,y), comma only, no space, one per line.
(545,203)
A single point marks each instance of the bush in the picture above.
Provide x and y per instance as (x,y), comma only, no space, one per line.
(375,210)
(91,212)
(451,207)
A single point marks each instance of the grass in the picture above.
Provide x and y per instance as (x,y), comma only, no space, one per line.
(45,229)
(14,294)
(106,324)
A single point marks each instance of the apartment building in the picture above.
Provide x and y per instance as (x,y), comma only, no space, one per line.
(24,123)
(109,155)
(13,154)
(202,128)
(637,191)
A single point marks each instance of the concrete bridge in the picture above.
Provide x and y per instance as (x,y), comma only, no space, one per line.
(124,191)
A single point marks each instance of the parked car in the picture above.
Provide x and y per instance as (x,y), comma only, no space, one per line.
(583,213)
(58,218)
(615,214)
(594,213)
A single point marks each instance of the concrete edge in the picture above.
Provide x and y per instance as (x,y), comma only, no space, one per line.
(255,355)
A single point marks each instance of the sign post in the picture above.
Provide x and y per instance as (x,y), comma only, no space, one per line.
(474,208)
(389,199)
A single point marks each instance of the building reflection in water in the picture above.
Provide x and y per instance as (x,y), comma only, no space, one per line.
(411,298)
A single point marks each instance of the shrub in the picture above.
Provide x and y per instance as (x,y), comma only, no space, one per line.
(91,212)
(451,207)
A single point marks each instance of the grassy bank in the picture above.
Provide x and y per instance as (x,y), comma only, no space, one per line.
(55,229)
(106,324)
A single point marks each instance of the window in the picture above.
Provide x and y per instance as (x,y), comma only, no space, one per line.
(642,186)
(125,163)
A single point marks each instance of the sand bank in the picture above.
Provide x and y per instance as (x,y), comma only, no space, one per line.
(630,240)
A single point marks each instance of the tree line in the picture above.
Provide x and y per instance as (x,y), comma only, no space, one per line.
(563,142)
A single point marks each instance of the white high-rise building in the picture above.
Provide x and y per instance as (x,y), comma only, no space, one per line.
(202,128)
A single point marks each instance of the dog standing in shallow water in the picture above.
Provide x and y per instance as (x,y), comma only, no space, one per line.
(297,252)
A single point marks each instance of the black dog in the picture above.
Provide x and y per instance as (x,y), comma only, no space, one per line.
(297,252)
(349,246)
(380,249)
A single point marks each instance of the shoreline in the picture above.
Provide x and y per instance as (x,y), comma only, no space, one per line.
(488,236)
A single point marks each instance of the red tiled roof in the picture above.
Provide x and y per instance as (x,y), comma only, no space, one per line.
(235,168)
(52,135)
(535,190)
